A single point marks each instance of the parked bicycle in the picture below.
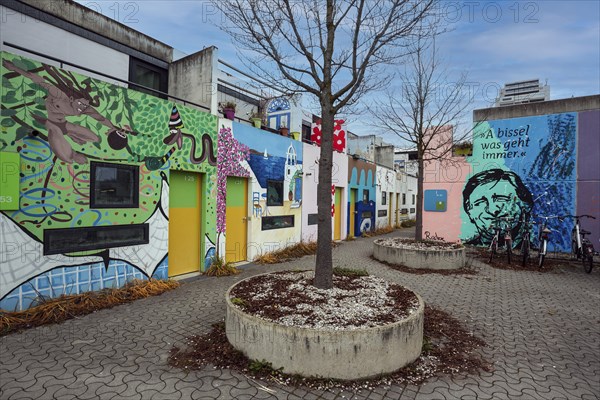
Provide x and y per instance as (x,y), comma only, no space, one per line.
(501,227)
(543,237)
(526,243)
(581,247)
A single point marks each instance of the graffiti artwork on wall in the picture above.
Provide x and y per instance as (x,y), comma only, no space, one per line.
(361,176)
(59,122)
(522,167)
(231,155)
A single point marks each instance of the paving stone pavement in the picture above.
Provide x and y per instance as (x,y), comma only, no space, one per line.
(542,330)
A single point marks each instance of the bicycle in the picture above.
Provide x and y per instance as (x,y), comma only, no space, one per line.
(526,243)
(543,236)
(581,247)
(501,225)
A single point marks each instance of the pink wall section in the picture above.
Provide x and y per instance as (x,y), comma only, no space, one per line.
(450,176)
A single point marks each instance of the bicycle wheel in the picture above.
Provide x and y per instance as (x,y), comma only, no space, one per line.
(574,249)
(525,252)
(493,248)
(588,260)
(542,253)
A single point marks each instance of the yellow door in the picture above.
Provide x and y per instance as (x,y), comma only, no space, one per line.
(390,209)
(184,222)
(337,217)
(236,216)
(352,210)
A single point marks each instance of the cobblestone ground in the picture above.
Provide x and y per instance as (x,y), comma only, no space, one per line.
(543,332)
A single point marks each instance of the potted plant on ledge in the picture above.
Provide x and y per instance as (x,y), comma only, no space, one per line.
(284,130)
(228,109)
(257,119)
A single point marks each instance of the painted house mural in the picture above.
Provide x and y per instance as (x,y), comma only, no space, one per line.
(542,165)
(94,166)
(273,213)
(361,201)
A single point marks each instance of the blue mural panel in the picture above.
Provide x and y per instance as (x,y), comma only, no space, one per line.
(435,200)
(522,167)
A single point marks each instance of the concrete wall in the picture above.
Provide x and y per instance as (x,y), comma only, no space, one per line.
(89,19)
(575,104)
(384,155)
(191,77)
(588,172)
(363,146)
(33,34)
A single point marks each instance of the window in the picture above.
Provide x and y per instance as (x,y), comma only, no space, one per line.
(277,222)
(114,185)
(413,199)
(69,240)
(147,75)
(383,198)
(274,193)
(403,198)
(365,196)
(306,133)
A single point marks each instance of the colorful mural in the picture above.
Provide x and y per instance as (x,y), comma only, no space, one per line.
(361,176)
(231,157)
(339,135)
(521,167)
(59,123)
(275,167)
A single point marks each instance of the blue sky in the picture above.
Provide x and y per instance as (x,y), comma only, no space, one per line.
(495,41)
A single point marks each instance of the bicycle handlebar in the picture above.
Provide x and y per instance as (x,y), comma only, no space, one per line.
(580,216)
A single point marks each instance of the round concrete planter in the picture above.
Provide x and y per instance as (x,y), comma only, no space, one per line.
(340,354)
(419,258)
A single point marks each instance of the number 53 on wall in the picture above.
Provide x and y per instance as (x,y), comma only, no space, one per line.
(9,180)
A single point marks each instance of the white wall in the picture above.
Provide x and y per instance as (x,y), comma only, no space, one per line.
(386,182)
(30,33)
(310,155)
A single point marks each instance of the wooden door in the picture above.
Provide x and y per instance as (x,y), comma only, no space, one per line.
(337,217)
(185,229)
(236,219)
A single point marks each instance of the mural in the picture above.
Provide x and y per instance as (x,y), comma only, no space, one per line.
(231,157)
(521,167)
(361,176)
(275,168)
(311,155)
(339,135)
(59,122)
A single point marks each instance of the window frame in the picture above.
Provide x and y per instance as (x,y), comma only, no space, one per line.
(269,202)
(163,84)
(135,203)
(266,220)
(89,246)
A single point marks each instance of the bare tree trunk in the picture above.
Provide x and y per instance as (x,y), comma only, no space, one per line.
(419,209)
(324,263)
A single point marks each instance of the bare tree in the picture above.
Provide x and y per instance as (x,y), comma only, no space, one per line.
(426,112)
(332,50)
